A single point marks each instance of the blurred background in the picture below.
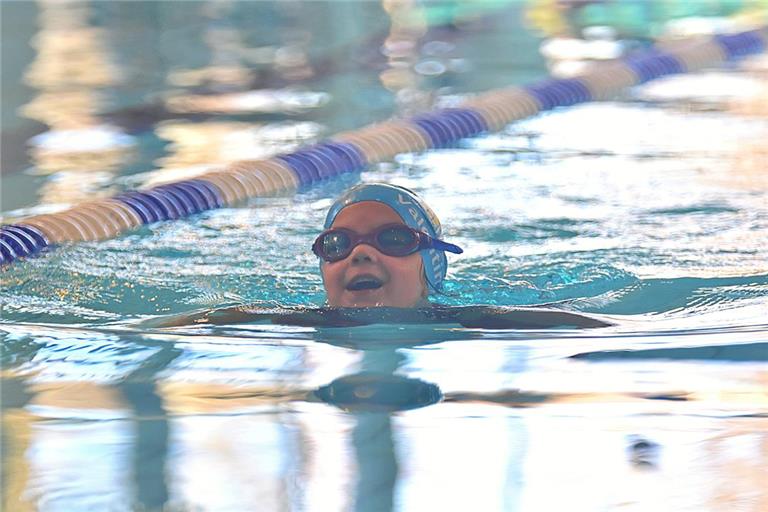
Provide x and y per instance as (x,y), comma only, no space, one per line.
(103,96)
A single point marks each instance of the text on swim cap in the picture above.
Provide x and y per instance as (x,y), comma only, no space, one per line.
(436,260)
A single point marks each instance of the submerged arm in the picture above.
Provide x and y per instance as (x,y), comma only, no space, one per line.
(484,317)
(307,317)
(488,317)
(222,316)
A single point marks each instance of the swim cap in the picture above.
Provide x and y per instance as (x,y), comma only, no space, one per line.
(415,214)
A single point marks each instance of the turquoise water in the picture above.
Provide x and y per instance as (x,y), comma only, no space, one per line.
(651,210)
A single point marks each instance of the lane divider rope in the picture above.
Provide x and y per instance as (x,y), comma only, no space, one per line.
(354,150)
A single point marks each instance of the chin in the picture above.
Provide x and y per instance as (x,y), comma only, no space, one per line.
(363,302)
(380,303)
(371,299)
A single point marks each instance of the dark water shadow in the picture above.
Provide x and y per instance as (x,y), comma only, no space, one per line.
(152,429)
(372,396)
(747,352)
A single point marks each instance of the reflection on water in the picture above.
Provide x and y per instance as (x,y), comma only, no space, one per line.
(186,426)
(579,33)
(73,72)
(151,431)
(401,48)
(193,147)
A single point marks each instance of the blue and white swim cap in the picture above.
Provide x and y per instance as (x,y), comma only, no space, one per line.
(415,214)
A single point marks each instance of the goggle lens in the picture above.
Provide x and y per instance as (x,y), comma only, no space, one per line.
(397,241)
(337,244)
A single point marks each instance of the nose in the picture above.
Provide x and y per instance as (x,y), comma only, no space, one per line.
(363,253)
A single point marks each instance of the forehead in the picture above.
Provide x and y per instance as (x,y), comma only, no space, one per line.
(366,216)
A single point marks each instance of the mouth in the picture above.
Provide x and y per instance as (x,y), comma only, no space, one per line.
(364,282)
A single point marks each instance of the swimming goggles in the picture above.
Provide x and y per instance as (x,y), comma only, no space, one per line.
(391,239)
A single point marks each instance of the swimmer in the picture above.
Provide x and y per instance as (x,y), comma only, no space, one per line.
(381,255)
(381,247)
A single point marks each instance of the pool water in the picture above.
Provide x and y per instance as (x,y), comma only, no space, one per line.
(651,210)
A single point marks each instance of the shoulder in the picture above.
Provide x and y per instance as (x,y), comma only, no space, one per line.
(506,317)
(480,316)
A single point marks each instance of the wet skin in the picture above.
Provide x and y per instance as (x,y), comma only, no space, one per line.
(483,317)
(401,278)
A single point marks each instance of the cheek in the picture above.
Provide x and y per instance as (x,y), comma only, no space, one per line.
(408,271)
(331,276)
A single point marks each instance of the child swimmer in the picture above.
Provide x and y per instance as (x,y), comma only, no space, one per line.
(381,255)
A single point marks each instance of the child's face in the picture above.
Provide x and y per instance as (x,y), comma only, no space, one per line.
(402,284)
